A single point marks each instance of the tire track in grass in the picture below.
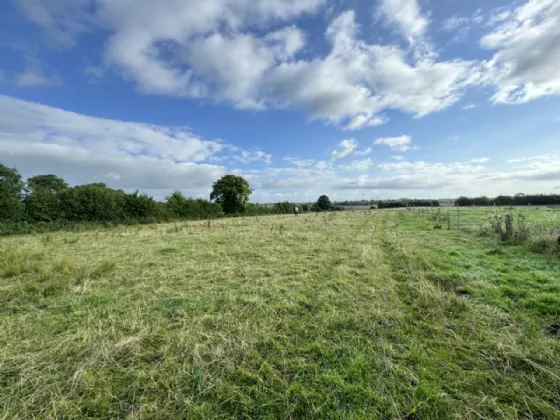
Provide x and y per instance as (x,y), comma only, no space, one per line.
(477,361)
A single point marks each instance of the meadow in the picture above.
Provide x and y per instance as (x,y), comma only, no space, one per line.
(355,314)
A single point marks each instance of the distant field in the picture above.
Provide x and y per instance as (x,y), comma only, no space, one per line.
(362,314)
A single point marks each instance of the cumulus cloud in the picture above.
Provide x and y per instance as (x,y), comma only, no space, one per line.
(248,156)
(401,144)
(300,163)
(406,16)
(527,41)
(364,152)
(345,148)
(535,168)
(358,80)
(246,53)
(40,139)
(356,165)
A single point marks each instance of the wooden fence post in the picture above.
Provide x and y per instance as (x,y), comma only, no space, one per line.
(509,226)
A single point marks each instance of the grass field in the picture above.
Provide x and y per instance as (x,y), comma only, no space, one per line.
(343,315)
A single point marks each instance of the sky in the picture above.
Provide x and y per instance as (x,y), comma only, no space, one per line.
(356,99)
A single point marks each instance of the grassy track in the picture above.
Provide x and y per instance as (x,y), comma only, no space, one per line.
(345,315)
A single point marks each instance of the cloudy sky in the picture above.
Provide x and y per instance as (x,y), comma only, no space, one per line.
(353,98)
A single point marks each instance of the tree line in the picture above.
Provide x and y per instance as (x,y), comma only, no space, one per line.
(48,202)
(391,204)
(507,200)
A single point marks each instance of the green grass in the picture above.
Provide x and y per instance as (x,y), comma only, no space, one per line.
(342,315)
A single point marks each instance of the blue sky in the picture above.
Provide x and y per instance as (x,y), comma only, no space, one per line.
(355,99)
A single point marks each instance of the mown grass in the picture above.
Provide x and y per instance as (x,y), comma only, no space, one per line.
(346,315)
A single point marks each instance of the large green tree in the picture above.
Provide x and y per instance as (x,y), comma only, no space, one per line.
(323,204)
(11,188)
(93,202)
(42,200)
(232,192)
(141,207)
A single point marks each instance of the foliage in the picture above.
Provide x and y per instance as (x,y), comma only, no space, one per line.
(232,192)
(47,203)
(93,202)
(391,204)
(11,186)
(355,203)
(142,207)
(43,198)
(516,200)
(324,204)
(178,206)
(284,208)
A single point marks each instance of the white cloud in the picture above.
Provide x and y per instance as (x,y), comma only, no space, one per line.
(31,78)
(542,170)
(406,16)
(454,22)
(246,53)
(542,158)
(398,157)
(498,15)
(401,144)
(401,179)
(525,66)
(469,106)
(346,147)
(460,27)
(300,163)
(364,152)
(41,139)
(61,20)
(356,165)
(248,156)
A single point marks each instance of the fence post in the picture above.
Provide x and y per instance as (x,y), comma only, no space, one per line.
(509,226)
(458,218)
(439,215)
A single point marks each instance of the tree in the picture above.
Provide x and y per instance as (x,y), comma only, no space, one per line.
(141,207)
(93,202)
(178,206)
(323,203)
(283,208)
(232,192)
(11,187)
(42,197)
